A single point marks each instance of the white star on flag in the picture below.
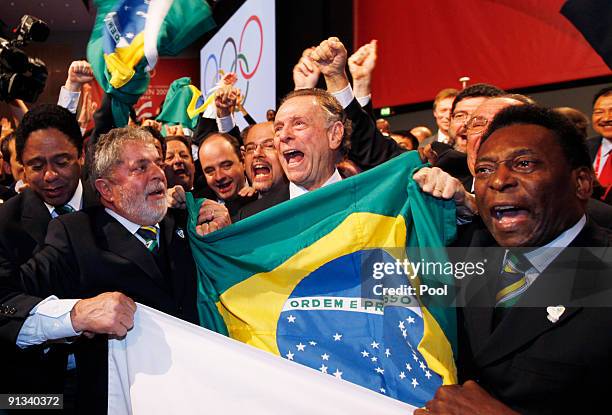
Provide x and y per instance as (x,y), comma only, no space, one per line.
(427,374)
(338,374)
(323,368)
(325,356)
(312,343)
(365,353)
(422,365)
(410,320)
(402,375)
(374,345)
(374,359)
(408,367)
(401,325)
(290,356)
(291,319)
(414,383)
(387,353)
(300,347)
(337,337)
(379,370)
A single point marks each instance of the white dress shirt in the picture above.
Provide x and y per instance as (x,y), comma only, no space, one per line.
(295,190)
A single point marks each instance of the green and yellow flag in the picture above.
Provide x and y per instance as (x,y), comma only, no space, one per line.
(129,36)
(325,280)
(183,103)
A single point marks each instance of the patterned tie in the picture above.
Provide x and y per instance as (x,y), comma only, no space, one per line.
(149,234)
(512,281)
(62,210)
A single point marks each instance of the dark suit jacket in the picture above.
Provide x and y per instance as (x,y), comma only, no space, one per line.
(593,144)
(272,198)
(530,363)
(369,148)
(6,192)
(23,227)
(88,253)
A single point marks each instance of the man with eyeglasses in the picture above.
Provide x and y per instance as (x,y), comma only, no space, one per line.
(261,163)
(600,148)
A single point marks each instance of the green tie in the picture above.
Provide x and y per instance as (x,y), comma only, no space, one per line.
(62,210)
(149,234)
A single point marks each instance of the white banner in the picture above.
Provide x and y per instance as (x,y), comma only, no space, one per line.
(246,45)
(168,366)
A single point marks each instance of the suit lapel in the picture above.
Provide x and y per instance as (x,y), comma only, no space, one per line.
(35,217)
(567,281)
(176,244)
(124,244)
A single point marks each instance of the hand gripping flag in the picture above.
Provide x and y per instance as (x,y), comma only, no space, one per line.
(183,103)
(129,35)
(303,280)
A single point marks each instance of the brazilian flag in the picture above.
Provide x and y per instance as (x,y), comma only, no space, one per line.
(129,36)
(304,280)
(183,103)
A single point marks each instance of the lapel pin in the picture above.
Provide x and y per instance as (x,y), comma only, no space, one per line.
(180,233)
(555,312)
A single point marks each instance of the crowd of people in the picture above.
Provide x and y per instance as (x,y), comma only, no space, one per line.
(92,223)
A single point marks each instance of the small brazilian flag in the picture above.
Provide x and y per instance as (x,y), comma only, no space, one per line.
(129,36)
(183,103)
(306,280)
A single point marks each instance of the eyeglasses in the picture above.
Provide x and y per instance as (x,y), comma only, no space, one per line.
(477,124)
(520,164)
(266,145)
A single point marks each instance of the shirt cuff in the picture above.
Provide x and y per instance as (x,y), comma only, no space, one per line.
(363,101)
(68,100)
(225,124)
(48,320)
(345,96)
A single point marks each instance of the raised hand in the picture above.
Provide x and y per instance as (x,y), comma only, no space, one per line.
(79,73)
(306,72)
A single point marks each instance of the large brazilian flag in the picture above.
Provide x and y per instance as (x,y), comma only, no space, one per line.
(129,36)
(303,280)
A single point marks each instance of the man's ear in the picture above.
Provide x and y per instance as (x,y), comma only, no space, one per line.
(583,177)
(103,186)
(335,134)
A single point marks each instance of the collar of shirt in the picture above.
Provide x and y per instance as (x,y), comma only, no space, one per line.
(541,258)
(295,190)
(129,225)
(606,147)
(442,138)
(76,202)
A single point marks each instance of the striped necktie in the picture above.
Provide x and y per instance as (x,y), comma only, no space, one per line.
(512,281)
(149,234)
(62,210)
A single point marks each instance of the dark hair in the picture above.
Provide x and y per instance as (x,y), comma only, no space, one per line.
(407,134)
(4,147)
(229,138)
(602,93)
(577,117)
(45,116)
(570,140)
(158,136)
(475,91)
(181,138)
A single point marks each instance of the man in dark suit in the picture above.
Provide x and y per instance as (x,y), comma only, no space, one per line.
(48,143)
(532,330)
(600,146)
(442,114)
(129,244)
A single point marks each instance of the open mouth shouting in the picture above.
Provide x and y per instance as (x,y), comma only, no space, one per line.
(262,170)
(293,157)
(156,191)
(508,217)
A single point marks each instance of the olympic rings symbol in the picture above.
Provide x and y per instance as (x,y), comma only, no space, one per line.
(232,57)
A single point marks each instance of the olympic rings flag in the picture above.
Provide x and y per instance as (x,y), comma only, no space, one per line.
(245,45)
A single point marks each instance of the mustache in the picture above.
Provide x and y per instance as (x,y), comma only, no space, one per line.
(155,187)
